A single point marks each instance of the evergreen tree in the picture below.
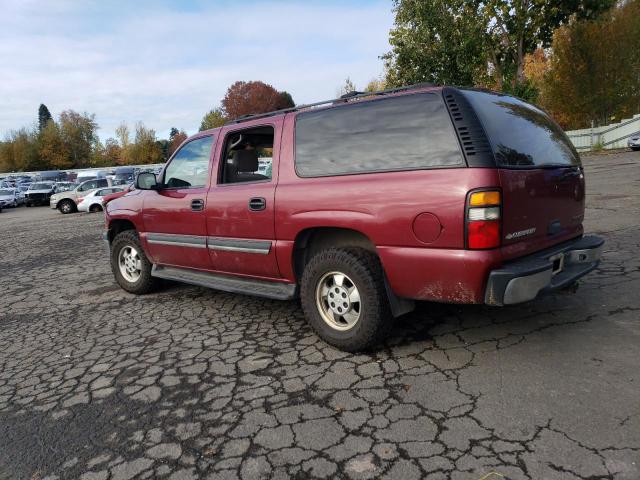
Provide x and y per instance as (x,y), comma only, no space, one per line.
(43,116)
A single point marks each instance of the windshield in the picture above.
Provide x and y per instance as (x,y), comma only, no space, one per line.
(522,135)
(40,186)
(6,192)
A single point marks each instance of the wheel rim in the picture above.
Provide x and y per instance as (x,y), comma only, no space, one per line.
(66,207)
(338,301)
(130,263)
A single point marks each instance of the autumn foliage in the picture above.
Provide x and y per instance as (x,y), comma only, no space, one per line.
(593,72)
(247,98)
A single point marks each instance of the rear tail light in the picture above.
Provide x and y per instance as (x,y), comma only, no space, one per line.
(483,214)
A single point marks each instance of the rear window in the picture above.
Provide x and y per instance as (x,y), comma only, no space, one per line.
(522,136)
(408,132)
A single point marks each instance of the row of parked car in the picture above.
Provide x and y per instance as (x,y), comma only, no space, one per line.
(88,196)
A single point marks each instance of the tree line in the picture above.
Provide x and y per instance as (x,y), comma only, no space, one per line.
(71,140)
(579,59)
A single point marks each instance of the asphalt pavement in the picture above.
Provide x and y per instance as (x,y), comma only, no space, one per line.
(192,383)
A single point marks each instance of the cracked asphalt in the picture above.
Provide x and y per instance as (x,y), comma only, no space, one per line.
(98,384)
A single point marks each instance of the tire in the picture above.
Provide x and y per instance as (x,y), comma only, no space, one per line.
(361,269)
(144,283)
(95,208)
(67,206)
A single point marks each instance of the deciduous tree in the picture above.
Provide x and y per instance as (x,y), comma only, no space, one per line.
(594,69)
(52,149)
(247,98)
(175,140)
(475,42)
(78,133)
(213,119)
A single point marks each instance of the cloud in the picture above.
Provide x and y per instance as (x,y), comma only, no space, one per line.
(168,63)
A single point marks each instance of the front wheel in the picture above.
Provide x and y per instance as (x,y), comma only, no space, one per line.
(95,208)
(129,264)
(67,206)
(344,299)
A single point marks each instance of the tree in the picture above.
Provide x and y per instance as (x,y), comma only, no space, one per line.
(145,149)
(43,116)
(112,152)
(375,85)
(475,42)
(78,133)
(285,101)
(248,98)
(176,140)
(213,119)
(346,88)
(593,73)
(51,147)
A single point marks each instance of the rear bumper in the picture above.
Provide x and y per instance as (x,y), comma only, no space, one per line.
(523,279)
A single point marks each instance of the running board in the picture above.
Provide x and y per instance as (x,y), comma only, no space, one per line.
(227,283)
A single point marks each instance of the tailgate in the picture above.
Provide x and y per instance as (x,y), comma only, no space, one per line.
(540,173)
(541,207)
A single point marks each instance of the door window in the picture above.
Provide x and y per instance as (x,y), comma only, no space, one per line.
(189,167)
(247,156)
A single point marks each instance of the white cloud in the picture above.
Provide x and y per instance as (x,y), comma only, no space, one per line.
(167,66)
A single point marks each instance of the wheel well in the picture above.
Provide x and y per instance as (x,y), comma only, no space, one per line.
(310,241)
(117,226)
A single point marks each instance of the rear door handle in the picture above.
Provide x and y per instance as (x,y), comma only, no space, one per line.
(257,203)
(197,205)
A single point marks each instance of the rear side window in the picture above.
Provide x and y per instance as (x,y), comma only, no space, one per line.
(521,135)
(408,132)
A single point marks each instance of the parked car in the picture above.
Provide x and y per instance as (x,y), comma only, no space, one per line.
(11,197)
(112,196)
(66,202)
(634,142)
(39,193)
(421,193)
(65,186)
(94,201)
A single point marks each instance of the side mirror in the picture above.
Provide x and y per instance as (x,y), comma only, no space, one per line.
(147,181)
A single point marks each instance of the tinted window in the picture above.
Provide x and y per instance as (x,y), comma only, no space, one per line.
(40,186)
(190,165)
(521,135)
(399,133)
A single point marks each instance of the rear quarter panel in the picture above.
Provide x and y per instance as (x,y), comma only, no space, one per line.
(383,206)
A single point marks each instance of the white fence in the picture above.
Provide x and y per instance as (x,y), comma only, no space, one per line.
(609,136)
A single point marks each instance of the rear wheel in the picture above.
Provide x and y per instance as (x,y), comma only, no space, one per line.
(344,298)
(130,265)
(66,206)
(95,208)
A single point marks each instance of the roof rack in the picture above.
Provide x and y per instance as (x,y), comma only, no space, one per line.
(347,97)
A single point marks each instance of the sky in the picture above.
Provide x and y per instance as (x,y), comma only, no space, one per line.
(167,63)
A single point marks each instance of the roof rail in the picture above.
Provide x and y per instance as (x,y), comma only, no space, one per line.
(347,97)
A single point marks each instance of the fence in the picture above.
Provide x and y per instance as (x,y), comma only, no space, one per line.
(607,137)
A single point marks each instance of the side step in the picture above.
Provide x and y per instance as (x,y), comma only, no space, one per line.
(227,283)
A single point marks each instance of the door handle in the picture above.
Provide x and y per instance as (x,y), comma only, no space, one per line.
(257,203)
(197,205)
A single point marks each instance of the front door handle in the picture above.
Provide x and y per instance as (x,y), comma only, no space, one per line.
(257,203)
(197,205)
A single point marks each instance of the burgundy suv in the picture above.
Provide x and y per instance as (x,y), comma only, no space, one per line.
(363,204)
